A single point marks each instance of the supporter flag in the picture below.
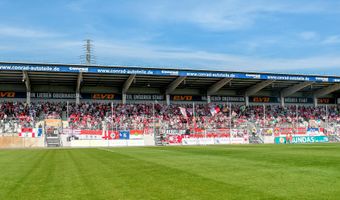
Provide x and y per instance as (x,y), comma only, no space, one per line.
(111,135)
(124,135)
(215,110)
(27,132)
(183,111)
(136,134)
(243,108)
(190,111)
(39,132)
(225,109)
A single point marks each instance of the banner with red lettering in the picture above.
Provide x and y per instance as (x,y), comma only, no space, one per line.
(295,131)
(204,137)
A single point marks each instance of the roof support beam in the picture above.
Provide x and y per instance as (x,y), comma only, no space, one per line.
(128,82)
(174,84)
(27,81)
(79,81)
(295,88)
(256,88)
(327,90)
(126,86)
(217,86)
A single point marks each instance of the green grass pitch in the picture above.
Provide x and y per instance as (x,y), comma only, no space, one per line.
(188,172)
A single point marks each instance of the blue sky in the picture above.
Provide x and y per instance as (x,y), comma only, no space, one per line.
(295,36)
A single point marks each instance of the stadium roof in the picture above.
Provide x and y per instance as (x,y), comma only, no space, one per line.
(166,80)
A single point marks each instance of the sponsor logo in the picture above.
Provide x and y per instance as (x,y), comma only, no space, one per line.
(145,97)
(261,99)
(298,100)
(50,95)
(256,76)
(169,72)
(323,79)
(103,96)
(182,98)
(7,94)
(80,69)
(326,101)
(303,139)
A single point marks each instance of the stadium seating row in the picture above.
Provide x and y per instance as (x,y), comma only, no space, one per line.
(93,116)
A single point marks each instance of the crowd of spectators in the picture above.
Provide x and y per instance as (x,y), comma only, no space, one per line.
(141,116)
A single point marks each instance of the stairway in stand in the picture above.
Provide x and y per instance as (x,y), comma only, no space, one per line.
(53,141)
(159,137)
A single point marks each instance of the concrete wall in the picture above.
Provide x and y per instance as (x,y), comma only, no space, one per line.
(106,143)
(20,142)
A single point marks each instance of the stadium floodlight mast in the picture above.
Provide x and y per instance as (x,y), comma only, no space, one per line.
(88,59)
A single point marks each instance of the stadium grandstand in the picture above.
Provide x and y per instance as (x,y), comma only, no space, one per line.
(169,100)
(89,105)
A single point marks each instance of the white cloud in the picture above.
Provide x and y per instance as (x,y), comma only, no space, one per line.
(22,32)
(308,35)
(219,15)
(216,15)
(173,57)
(77,5)
(134,53)
(331,40)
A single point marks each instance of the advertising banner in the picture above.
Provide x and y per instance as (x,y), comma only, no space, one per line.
(175,131)
(162,72)
(90,135)
(284,131)
(238,140)
(225,99)
(12,94)
(70,132)
(186,98)
(189,141)
(53,122)
(258,99)
(302,139)
(145,97)
(201,137)
(222,140)
(101,96)
(104,135)
(327,101)
(300,100)
(314,131)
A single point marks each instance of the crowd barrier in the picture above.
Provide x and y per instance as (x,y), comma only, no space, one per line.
(35,137)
